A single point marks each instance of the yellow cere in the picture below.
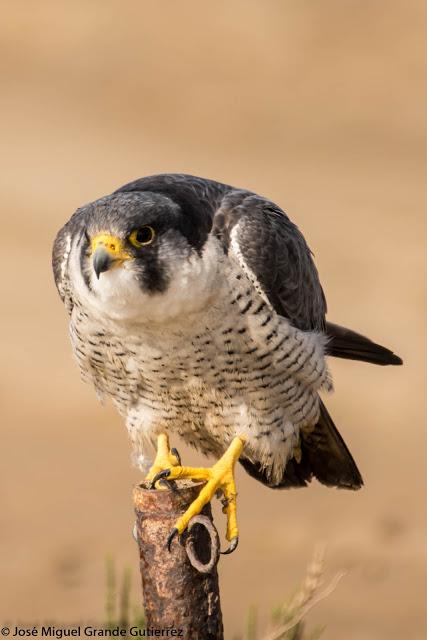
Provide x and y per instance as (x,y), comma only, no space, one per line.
(112,244)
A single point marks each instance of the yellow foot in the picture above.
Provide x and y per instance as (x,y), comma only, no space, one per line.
(165,458)
(219,479)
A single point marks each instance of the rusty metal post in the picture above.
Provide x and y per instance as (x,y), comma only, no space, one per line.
(180,587)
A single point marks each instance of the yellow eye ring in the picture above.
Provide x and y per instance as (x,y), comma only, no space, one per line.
(142,237)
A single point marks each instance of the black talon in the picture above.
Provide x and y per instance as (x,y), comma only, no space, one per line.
(172,535)
(162,474)
(225,502)
(169,484)
(174,451)
(233,546)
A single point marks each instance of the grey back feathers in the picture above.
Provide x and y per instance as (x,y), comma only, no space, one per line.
(270,243)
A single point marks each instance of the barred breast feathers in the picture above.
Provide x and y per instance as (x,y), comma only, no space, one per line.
(235,362)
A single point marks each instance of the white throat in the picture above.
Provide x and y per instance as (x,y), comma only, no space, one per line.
(117,295)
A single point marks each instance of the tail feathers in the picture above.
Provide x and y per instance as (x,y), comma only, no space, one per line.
(330,460)
(324,455)
(345,343)
(297,474)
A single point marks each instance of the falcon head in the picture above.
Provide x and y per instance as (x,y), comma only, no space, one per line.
(141,256)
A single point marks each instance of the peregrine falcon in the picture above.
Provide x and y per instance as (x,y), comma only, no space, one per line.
(197,308)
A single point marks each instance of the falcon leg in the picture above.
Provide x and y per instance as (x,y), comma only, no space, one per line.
(165,458)
(219,478)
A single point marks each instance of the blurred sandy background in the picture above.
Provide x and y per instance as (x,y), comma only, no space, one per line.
(319,105)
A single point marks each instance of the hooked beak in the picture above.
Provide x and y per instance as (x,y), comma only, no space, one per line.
(107,251)
(102,261)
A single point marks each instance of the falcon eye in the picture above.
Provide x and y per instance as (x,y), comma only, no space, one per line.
(143,236)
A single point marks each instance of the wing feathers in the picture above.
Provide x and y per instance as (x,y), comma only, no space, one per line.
(268,245)
(345,343)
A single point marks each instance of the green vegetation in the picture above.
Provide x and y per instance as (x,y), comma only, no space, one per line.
(288,619)
(118,609)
